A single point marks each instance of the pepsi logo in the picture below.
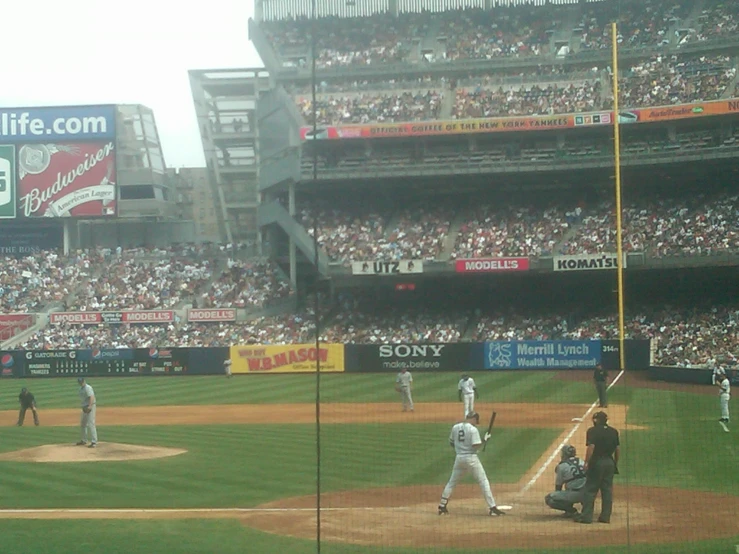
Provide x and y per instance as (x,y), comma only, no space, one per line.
(96,354)
(7,361)
(153,353)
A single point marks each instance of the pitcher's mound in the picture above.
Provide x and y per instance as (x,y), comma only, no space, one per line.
(105,452)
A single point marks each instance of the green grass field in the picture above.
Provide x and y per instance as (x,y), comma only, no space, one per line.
(230,466)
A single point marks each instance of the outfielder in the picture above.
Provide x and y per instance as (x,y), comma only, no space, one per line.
(467,393)
(403,384)
(724,394)
(227,367)
(87,421)
(465,439)
(569,482)
(27,402)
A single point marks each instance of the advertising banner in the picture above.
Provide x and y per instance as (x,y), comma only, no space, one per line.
(24,240)
(530,123)
(491,265)
(67,180)
(398,267)
(11,364)
(11,324)
(24,125)
(93,318)
(586,262)
(7,182)
(413,357)
(286,358)
(196,315)
(542,354)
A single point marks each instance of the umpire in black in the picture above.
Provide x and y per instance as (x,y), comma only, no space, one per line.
(600,376)
(27,402)
(601,464)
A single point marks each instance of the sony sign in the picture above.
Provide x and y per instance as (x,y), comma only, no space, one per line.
(411,350)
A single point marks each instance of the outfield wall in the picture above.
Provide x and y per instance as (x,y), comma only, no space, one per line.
(335,358)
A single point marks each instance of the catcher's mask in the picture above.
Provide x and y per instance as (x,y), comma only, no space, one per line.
(568,451)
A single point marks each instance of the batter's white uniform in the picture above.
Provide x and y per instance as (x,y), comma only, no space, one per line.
(87,421)
(467,388)
(403,382)
(464,437)
(724,396)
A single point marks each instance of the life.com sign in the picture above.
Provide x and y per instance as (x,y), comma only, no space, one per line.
(57,124)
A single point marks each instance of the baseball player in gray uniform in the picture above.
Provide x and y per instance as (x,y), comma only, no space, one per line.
(87,421)
(404,384)
(569,481)
(467,393)
(724,394)
(465,439)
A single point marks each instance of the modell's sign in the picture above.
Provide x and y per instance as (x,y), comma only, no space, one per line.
(93,318)
(398,267)
(211,315)
(491,265)
(586,262)
(67,180)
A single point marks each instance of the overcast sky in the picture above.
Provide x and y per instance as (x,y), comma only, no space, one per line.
(133,52)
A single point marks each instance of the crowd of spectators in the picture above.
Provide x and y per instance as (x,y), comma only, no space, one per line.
(497,230)
(30,283)
(719,19)
(513,326)
(528,100)
(366,107)
(413,233)
(245,284)
(664,80)
(700,225)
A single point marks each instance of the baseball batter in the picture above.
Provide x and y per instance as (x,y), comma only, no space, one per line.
(569,481)
(87,421)
(724,394)
(465,439)
(404,384)
(467,393)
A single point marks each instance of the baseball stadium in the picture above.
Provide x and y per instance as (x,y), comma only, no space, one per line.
(458,276)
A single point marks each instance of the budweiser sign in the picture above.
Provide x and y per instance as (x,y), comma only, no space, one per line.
(67,180)
(211,315)
(93,318)
(491,265)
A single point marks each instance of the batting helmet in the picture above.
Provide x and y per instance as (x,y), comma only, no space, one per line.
(568,451)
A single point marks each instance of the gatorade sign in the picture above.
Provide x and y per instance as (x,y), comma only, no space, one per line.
(7,182)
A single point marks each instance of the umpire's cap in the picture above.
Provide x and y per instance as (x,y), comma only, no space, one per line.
(24,389)
(600,417)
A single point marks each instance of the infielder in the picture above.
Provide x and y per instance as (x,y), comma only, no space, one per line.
(87,421)
(569,481)
(403,384)
(724,394)
(465,439)
(27,402)
(467,393)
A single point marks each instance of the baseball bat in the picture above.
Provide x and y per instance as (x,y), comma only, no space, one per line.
(490,428)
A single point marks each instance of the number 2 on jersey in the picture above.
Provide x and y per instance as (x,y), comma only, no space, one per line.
(460,435)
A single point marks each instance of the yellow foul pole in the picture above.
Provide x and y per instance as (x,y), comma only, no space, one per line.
(617,161)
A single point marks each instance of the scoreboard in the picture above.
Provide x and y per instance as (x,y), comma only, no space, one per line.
(108,362)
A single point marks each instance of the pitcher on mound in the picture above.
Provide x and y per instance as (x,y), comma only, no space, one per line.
(465,439)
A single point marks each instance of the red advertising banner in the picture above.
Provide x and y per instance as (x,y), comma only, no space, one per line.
(195,315)
(93,318)
(12,324)
(526,123)
(67,180)
(491,265)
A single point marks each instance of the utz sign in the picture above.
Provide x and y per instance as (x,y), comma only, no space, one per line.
(67,180)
